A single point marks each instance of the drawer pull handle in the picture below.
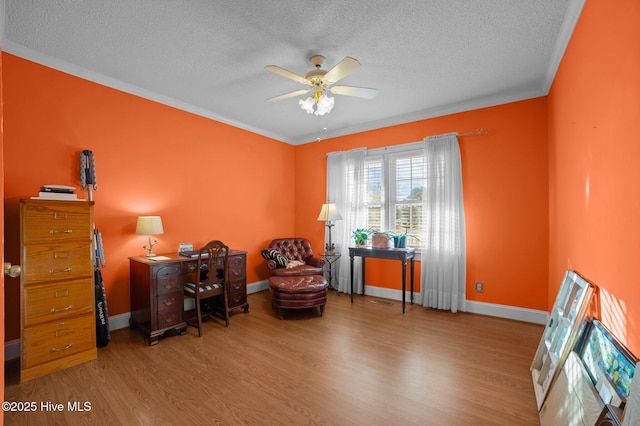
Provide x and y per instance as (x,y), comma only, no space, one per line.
(61,293)
(58,271)
(57,215)
(237,286)
(56,310)
(64,231)
(169,302)
(69,346)
(64,332)
(237,299)
(168,286)
(169,319)
(61,255)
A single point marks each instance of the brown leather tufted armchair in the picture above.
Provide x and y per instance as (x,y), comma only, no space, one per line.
(296,249)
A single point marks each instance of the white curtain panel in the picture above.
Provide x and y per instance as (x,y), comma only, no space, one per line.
(345,188)
(443,271)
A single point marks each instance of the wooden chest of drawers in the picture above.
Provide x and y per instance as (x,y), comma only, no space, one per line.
(57,316)
(157,301)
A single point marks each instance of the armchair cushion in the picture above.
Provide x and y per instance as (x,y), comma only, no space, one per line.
(280,260)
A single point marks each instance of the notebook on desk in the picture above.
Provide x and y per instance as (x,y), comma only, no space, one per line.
(192,253)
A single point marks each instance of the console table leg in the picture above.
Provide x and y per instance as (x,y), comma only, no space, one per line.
(412,281)
(351,263)
(363,269)
(404,283)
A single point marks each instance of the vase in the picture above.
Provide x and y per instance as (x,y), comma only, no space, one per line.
(381,241)
(400,241)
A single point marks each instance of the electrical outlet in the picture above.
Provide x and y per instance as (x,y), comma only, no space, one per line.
(479,287)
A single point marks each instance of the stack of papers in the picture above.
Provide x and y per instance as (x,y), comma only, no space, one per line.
(192,253)
(57,192)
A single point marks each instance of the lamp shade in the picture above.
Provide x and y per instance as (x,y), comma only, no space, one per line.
(149,225)
(329,212)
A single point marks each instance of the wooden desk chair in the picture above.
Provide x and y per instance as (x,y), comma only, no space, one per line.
(210,281)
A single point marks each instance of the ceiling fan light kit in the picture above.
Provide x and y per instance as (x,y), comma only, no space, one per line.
(319,81)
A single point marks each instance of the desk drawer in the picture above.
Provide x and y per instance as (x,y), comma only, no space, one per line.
(237,268)
(47,302)
(57,339)
(237,299)
(170,303)
(169,310)
(168,279)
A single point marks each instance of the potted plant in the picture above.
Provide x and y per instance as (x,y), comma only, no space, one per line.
(361,236)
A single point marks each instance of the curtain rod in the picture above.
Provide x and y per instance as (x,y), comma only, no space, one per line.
(478,132)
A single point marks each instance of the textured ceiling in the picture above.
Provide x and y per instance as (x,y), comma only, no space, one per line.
(426,58)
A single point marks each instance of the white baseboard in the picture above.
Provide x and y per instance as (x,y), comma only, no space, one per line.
(509,312)
(490,309)
(12,348)
(117,322)
(257,286)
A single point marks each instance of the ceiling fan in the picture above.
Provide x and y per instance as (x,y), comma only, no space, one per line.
(320,80)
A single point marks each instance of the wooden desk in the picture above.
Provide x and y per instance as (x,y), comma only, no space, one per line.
(401,254)
(156,290)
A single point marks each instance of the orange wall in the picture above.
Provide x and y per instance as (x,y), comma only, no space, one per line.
(594,123)
(146,153)
(206,179)
(505,188)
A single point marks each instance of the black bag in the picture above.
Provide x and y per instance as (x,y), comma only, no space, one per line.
(102,316)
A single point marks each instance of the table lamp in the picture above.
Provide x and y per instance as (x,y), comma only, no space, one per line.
(149,225)
(328,213)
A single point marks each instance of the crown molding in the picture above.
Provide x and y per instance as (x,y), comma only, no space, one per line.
(77,71)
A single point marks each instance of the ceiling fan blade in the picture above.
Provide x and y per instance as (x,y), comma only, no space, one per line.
(289,95)
(276,69)
(342,69)
(360,92)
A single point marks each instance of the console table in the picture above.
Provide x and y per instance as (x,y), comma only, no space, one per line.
(156,289)
(401,254)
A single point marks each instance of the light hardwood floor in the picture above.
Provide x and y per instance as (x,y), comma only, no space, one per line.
(360,364)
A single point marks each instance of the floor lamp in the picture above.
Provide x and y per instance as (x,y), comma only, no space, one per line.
(329,213)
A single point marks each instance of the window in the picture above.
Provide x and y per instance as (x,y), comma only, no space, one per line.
(393,187)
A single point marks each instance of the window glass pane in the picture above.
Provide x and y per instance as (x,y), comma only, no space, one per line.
(374,217)
(407,180)
(374,197)
(409,220)
(373,173)
(394,184)
(409,175)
